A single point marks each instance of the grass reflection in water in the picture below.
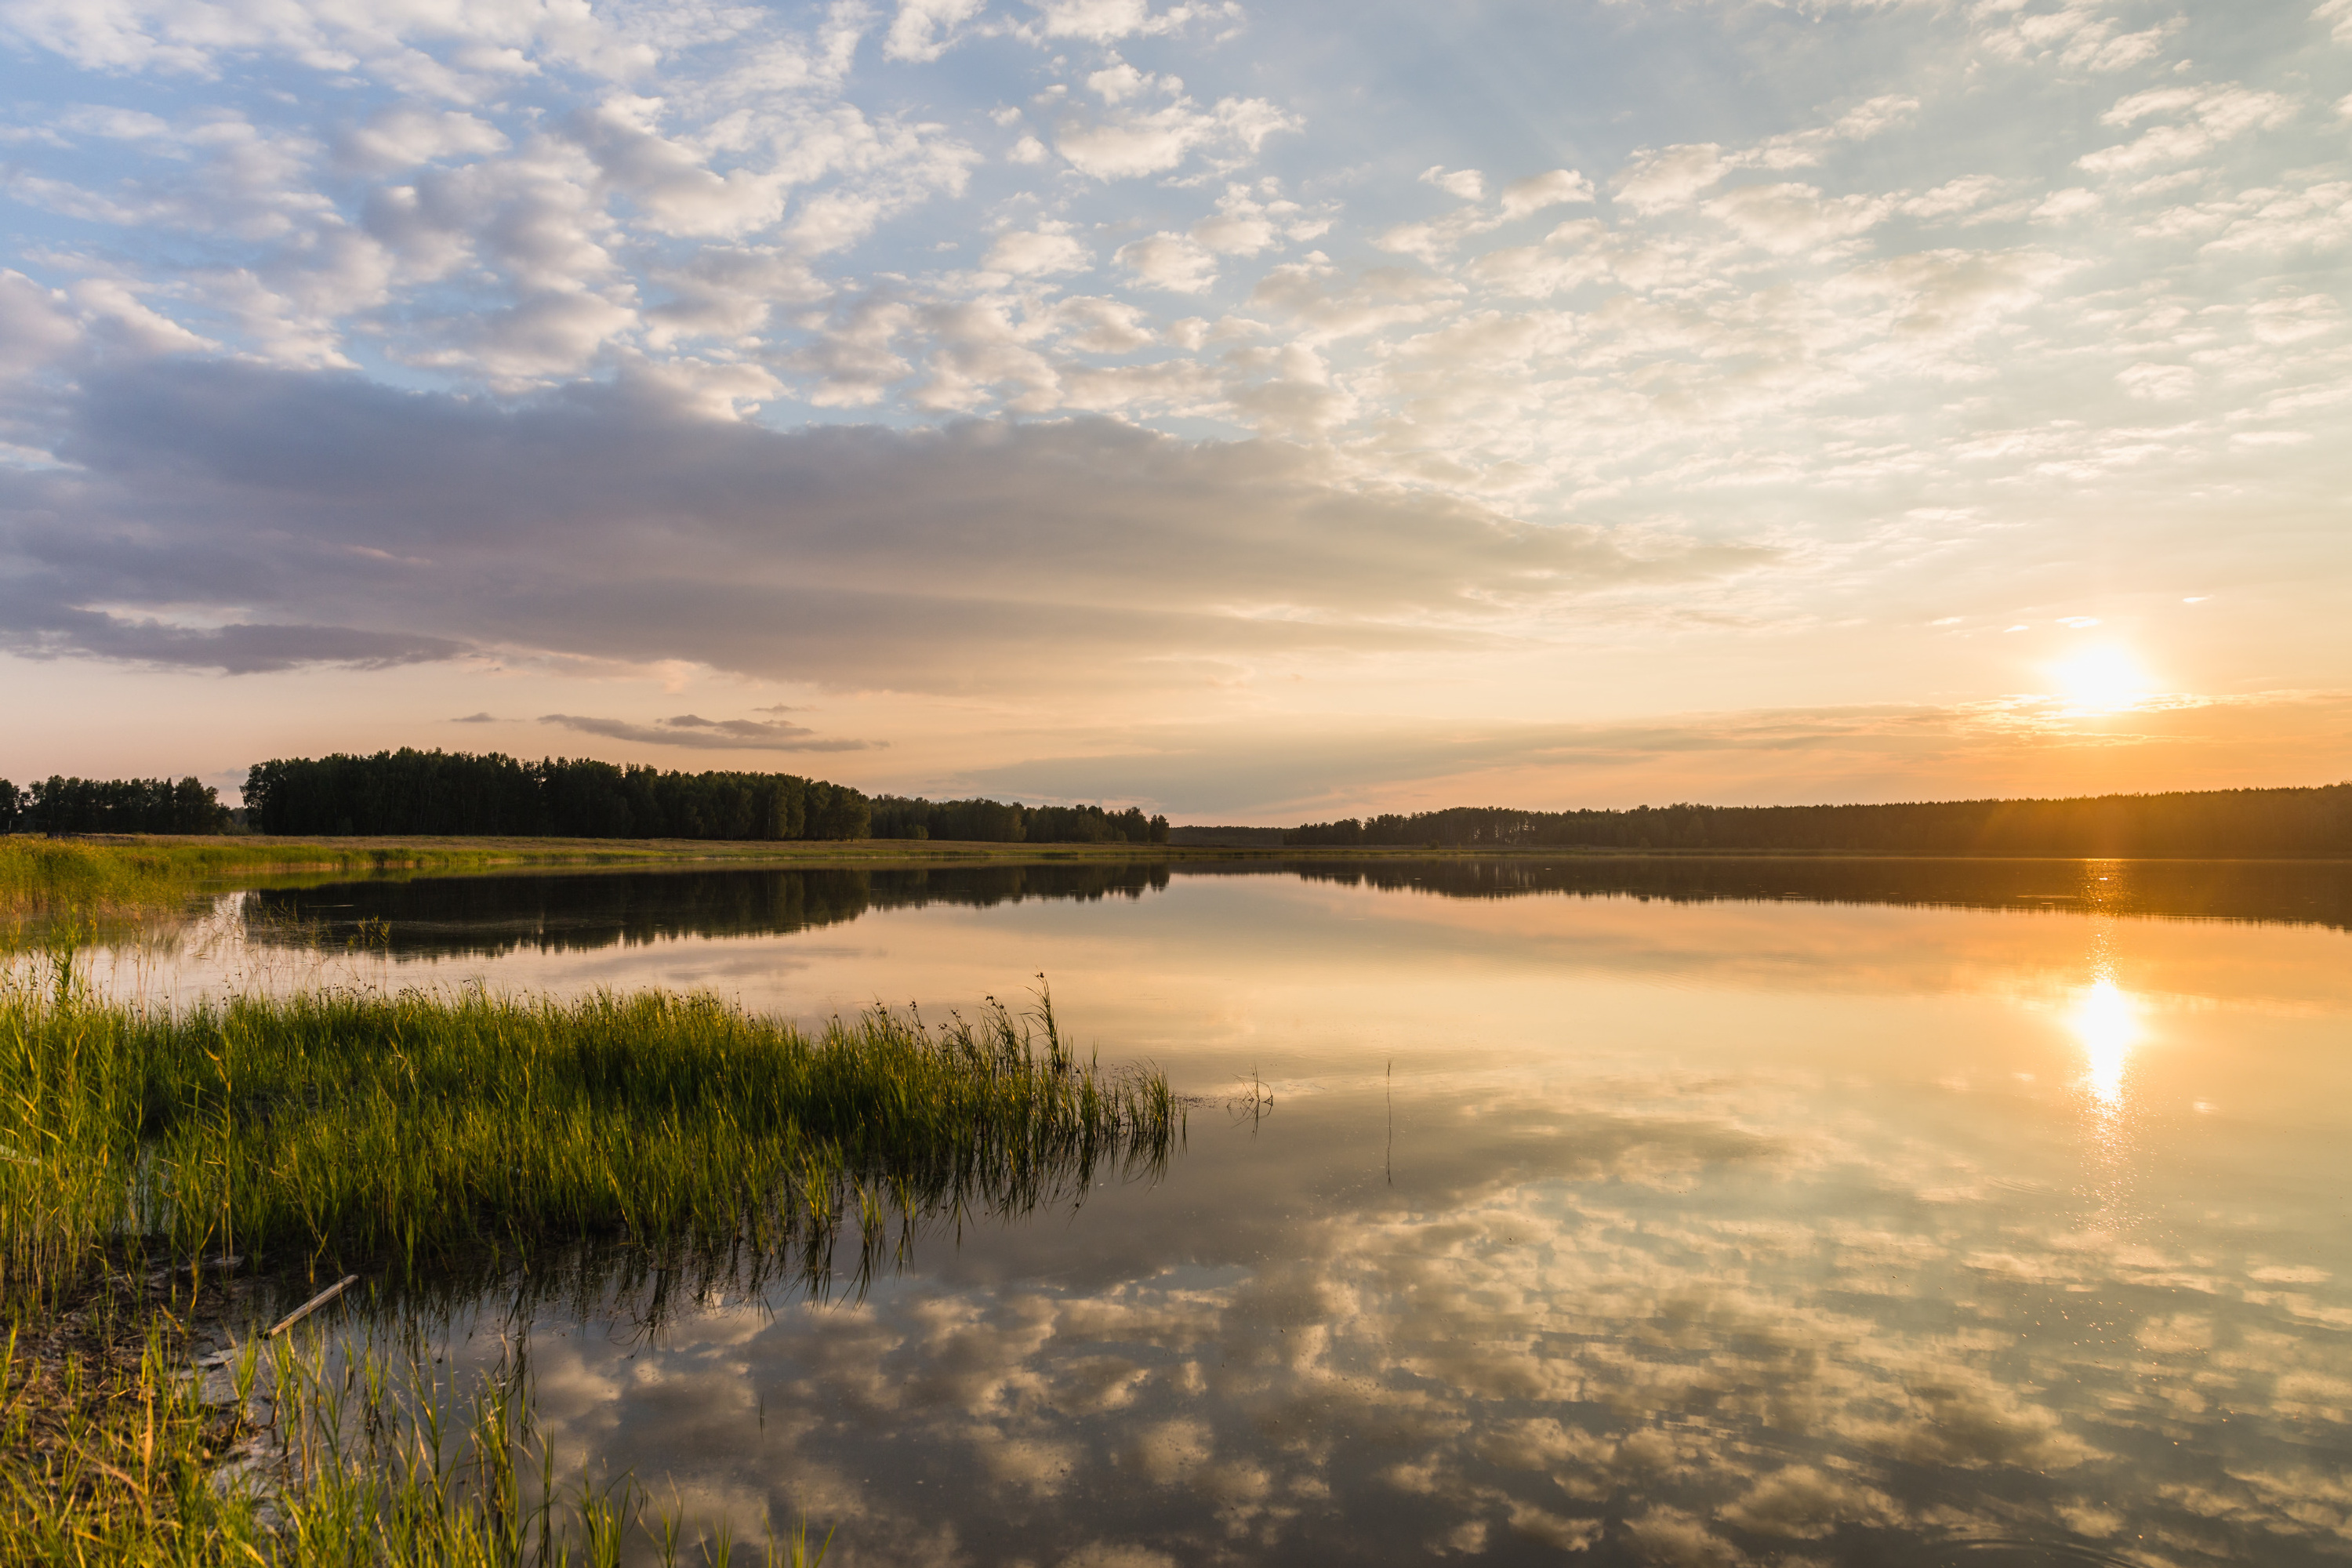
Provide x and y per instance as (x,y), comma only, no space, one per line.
(434,1141)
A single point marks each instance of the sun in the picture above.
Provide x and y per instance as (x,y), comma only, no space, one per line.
(2103,677)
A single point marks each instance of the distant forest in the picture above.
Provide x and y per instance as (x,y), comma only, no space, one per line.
(2216,823)
(112,805)
(455,792)
(997,822)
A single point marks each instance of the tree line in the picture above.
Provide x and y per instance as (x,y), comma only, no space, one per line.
(59,805)
(2207,823)
(459,794)
(1002,822)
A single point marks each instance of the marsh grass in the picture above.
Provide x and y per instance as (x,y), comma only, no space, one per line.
(334,1460)
(115,875)
(652,1143)
(399,1133)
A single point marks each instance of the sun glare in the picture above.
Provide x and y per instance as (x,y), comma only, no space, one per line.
(2106,678)
(2106,1023)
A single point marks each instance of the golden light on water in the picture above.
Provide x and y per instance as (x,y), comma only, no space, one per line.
(2107,1024)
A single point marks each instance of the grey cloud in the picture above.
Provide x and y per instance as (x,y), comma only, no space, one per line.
(709,735)
(483,718)
(243,648)
(599,522)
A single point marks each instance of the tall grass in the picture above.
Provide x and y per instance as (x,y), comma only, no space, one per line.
(422,1138)
(405,1132)
(348,1462)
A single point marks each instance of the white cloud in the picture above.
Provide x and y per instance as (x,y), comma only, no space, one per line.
(1788,218)
(1104,21)
(1031,253)
(1661,179)
(2210,116)
(404,136)
(2076,34)
(1103,326)
(1952,197)
(466,53)
(1312,292)
(1170,261)
(2158,382)
(2064,207)
(1468,185)
(1125,143)
(926,29)
(1537,192)
(37,325)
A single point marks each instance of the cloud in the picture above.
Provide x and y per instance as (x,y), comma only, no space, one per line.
(1468,185)
(1170,261)
(1030,253)
(926,29)
(606,524)
(32,627)
(1537,192)
(404,136)
(1432,240)
(2201,119)
(709,735)
(482,718)
(1125,143)
(1788,218)
(423,49)
(1661,179)
(1104,21)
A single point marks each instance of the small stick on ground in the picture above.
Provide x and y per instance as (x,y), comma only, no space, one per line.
(313,1304)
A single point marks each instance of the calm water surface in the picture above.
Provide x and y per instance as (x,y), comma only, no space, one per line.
(1702,1213)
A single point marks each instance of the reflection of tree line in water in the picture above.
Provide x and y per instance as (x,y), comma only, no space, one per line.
(2316,893)
(491,916)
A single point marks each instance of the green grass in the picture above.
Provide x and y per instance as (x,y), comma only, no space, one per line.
(112,876)
(407,1132)
(343,1461)
(118,874)
(420,1139)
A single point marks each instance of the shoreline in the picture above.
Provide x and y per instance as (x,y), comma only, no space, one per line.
(234,854)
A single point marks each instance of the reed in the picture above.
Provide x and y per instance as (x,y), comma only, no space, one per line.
(423,1137)
(372,1460)
(397,1134)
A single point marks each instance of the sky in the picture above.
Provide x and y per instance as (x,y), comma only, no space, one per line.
(1252,412)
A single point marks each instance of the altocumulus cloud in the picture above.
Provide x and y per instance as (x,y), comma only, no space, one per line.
(228,516)
(710,735)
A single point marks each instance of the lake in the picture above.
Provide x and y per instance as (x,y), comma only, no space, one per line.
(1698,1212)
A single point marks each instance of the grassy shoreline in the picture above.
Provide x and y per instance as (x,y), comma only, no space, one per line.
(154,1159)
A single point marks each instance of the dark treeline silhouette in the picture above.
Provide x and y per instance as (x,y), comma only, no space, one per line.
(2210,824)
(1000,821)
(1205,837)
(491,916)
(112,805)
(411,792)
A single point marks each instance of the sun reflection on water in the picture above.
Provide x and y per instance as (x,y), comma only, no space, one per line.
(2107,1023)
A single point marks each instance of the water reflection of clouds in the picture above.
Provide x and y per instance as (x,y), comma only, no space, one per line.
(1686,1344)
